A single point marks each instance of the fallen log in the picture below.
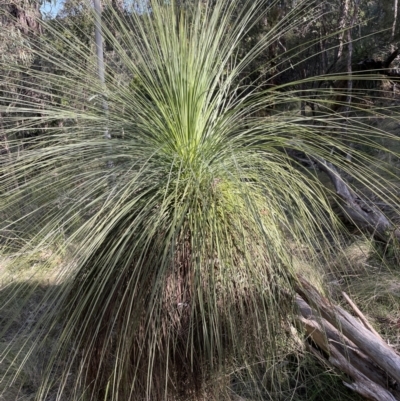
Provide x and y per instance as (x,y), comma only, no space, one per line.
(354,349)
(357,211)
(361,384)
(379,352)
(326,335)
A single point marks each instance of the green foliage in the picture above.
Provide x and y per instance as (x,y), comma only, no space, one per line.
(181,226)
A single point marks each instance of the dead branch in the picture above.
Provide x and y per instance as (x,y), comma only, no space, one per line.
(356,210)
(360,315)
(372,366)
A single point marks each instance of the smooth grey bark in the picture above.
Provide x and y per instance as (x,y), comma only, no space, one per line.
(100,59)
(99,41)
(394,19)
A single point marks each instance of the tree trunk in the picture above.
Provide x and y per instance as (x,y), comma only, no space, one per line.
(394,18)
(26,15)
(344,12)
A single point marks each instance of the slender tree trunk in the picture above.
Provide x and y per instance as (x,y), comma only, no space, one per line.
(350,57)
(100,59)
(99,41)
(349,67)
(324,58)
(394,19)
(101,73)
(342,26)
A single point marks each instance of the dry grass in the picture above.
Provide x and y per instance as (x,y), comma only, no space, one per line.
(18,314)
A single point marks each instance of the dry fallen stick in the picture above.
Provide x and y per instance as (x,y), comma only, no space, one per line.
(360,315)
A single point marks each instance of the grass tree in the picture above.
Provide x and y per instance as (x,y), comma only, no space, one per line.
(178,273)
